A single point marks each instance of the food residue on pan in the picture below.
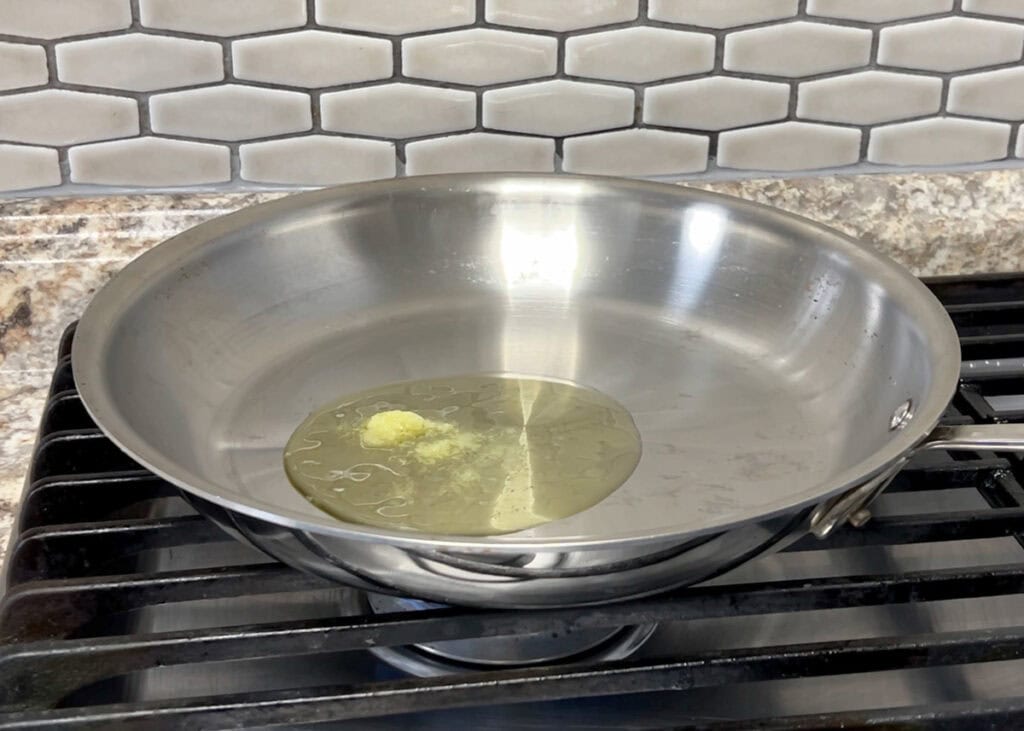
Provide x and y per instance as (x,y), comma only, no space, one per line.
(471,455)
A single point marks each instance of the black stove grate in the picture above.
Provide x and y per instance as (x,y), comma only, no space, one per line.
(77,565)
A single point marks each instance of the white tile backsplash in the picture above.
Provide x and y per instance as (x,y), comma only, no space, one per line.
(479,57)
(480,152)
(636,152)
(21,65)
(797,49)
(639,54)
(877,11)
(398,110)
(721,13)
(59,117)
(28,167)
(789,146)
(150,161)
(395,16)
(221,17)
(717,103)
(939,142)
(995,94)
(950,44)
(558,108)
(561,15)
(257,93)
(227,112)
(312,58)
(317,160)
(869,97)
(62,18)
(139,62)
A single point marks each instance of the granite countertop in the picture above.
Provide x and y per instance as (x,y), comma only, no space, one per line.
(54,253)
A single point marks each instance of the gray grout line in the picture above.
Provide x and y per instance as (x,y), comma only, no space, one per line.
(136,23)
(719,63)
(479,110)
(234,160)
(52,79)
(794,91)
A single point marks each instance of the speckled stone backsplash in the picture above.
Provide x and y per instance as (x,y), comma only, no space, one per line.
(125,94)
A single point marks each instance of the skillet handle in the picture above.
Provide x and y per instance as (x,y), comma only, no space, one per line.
(994,437)
(852,507)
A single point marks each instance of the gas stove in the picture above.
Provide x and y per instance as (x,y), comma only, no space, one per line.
(124,609)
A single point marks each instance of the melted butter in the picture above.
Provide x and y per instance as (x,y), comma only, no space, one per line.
(469,455)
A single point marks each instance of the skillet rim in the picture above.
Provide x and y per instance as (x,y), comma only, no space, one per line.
(95,326)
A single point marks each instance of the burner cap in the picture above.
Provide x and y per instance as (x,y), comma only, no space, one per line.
(542,648)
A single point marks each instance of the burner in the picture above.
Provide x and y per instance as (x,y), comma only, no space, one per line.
(516,651)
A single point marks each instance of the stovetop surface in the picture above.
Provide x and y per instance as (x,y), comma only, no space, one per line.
(125,609)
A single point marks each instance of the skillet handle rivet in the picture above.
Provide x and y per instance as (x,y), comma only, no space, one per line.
(902,415)
(860,518)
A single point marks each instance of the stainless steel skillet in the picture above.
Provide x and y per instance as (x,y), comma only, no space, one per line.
(779,373)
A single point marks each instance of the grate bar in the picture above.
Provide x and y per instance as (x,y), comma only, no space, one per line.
(84,549)
(999,713)
(59,608)
(41,673)
(523,686)
(82,498)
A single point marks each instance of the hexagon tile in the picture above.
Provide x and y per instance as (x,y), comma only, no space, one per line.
(395,16)
(797,49)
(223,17)
(58,117)
(22,65)
(398,110)
(996,94)
(148,161)
(312,58)
(558,108)
(639,54)
(479,57)
(61,18)
(165,94)
(869,97)
(950,44)
(720,102)
(139,62)
(318,160)
(561,15)
(721,13)
(480,152)
(643,152)
(877,11)
(231,112)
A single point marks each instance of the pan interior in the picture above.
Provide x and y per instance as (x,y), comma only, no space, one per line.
(759,357)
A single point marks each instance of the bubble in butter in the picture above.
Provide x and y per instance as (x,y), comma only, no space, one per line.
(468,455)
